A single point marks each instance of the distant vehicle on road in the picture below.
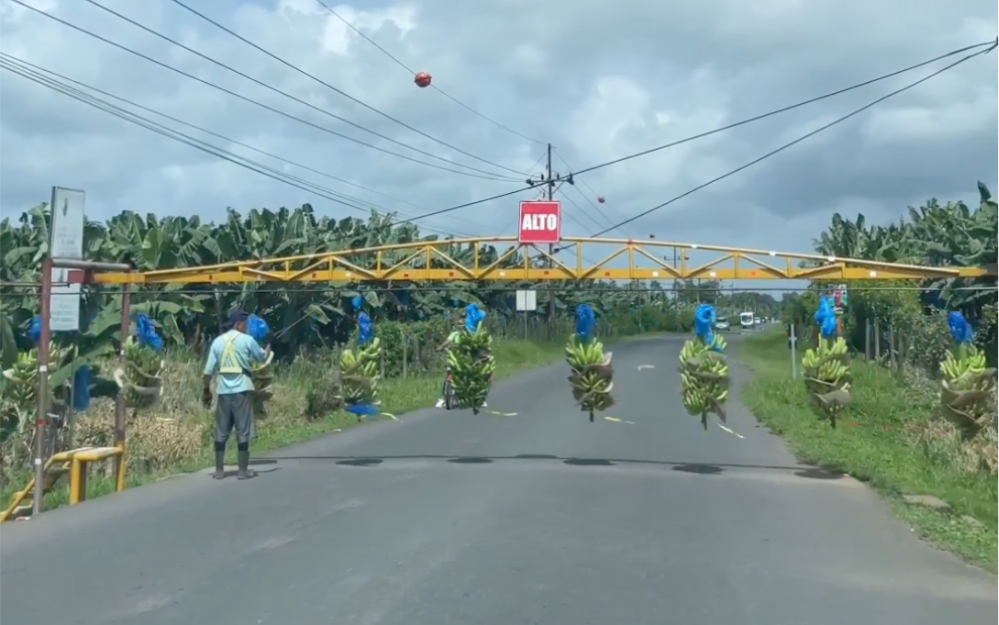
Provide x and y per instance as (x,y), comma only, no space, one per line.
(747,320)
(722,324)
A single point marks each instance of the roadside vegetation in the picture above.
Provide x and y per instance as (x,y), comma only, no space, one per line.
(894,435)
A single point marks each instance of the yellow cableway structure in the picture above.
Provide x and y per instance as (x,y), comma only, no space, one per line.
(436,261)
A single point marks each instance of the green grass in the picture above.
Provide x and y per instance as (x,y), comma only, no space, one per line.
(874,442)
(285,425)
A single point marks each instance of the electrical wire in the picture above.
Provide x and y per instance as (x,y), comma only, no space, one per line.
(41,70)
(126,115)
(335,89)
(786,108)
(432,85)
(802,138)
(296,99)
(488,176)
(235,159)
(581,194)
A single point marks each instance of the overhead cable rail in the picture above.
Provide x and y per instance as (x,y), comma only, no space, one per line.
(479,259)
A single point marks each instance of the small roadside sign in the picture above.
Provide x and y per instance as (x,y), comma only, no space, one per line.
(527,300)
(66,241)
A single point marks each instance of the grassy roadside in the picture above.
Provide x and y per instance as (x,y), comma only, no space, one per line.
(881,442)
(284,426)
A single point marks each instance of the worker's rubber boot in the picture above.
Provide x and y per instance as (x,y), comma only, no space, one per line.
(245,472)
(219,465)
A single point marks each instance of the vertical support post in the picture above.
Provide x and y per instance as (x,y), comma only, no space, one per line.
(877,341)
(891,345)
(551,249)
(405,342)
(43,388)
(867,337)
(794,353)
(120,416)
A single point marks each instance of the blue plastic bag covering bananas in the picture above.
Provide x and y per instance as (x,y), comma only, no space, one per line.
(471,360)
(592,377)
(81,376)
(967,384)
(359,371)
(140,375)
(704,369)
(827,367)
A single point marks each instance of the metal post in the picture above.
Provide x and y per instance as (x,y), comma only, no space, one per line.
(794,353)
(120,417)
(551,248)
(43,387)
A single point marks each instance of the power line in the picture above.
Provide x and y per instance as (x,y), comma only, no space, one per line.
(784,109)
(191,141)
(581,194)
(329,86)
(39,68)
(433,86)
(801,138)
(223,154)
(488,176)
(288,95)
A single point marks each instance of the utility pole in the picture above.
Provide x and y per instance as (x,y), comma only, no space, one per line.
(550,192)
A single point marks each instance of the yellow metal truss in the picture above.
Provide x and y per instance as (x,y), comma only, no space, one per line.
(435,261)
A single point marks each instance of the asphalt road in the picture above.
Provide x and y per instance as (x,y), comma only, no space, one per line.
(541,518)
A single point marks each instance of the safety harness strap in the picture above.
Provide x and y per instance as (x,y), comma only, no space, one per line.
(228,362)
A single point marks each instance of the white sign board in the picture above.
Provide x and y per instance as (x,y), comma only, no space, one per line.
(64,305)
(66,231)
(527,300)
(66,241)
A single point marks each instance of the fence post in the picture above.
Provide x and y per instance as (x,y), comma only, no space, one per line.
(900,362)
(794,354)
(405,341)
(891,345)
(877,341)
(867,337)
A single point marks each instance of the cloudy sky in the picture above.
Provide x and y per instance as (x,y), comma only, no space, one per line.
(599,80)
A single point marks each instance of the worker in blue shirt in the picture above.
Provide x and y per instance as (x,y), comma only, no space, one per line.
(230,358)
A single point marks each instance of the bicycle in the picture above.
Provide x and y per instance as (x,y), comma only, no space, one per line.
(449,399)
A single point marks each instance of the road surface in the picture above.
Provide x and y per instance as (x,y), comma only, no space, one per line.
(541,518)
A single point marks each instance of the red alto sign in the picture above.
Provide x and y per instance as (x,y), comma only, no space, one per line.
(540,221)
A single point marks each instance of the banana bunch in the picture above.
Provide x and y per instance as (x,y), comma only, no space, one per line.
(704,378)
(592,377)
(827,378)
(140,376)
(262,375)
(967,388)
(359,374)
(472,368)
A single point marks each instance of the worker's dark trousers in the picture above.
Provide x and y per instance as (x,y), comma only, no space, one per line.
(234,412)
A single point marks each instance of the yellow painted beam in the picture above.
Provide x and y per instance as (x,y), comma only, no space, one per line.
(435,262)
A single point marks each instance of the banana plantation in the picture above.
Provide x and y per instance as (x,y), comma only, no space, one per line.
(313,315)
(949,234)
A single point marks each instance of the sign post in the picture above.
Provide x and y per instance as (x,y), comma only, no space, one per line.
(527,301)
(540,222)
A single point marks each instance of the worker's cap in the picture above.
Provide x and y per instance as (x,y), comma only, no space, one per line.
(238,316)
